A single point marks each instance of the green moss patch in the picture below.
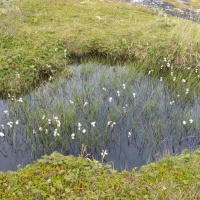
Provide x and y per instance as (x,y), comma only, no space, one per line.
(66,177)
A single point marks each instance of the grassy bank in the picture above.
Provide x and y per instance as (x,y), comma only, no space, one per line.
(40,38)
(60,177)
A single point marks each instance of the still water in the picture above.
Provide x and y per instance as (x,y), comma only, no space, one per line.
(135,117)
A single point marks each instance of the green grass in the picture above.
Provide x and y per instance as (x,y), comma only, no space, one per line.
(34,35)
(65,177)
(193,4)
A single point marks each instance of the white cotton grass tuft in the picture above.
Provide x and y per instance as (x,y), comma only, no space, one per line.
(183,80)
(184,122)
(129,134)
(2,134)
(56,133)
(110,99)
(73,136)
(109,122)
(85,104)
(84,131)
(191,121)
(93,124)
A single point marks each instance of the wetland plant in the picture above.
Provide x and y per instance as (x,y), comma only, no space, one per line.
(119,114)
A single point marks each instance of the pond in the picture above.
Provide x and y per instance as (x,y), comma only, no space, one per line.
(112,114)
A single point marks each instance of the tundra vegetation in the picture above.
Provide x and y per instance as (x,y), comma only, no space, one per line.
(40,39)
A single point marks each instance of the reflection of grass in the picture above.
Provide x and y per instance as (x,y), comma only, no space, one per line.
(35,34)
(125,106)
(60,177)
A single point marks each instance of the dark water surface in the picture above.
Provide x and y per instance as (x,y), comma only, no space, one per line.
(138,119)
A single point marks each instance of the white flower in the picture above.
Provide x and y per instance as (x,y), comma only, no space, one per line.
(43,116)
(34,131)
(86,103)
(73,136)
(6,112)
(186,91)
(70,101)
(49,121)
(172,73)
(17,122)
(183,80)
(191,121)
(103,153)
(161,78)
(110,99)
(93,124)
(168,64)
(2,126)
(40,128)
(165,59)
(134,94)
(84,131)
(10,124)
(46,131)
(58,123)
(129,134)
(79,126)
(1,134)
(184,122)
(56,133)
(20,100)
(55,118)
(113,124)
(171,102)
(109,122)
(104,88)
(174,78)
(178,95)
(118,93)
(124,86)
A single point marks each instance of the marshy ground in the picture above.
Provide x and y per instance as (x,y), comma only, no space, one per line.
(150,105)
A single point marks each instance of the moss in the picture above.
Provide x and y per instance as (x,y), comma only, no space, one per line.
(60,177)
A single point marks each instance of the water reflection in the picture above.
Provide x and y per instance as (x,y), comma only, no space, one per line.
(135,120)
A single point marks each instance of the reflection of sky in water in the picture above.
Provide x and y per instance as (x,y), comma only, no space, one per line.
(155,125)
